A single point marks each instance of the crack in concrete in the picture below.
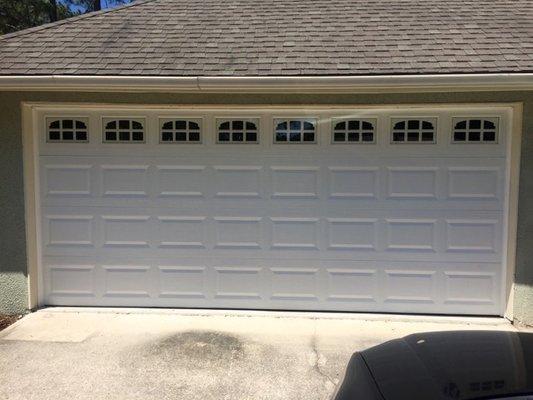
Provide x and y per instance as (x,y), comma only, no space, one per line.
(316,365)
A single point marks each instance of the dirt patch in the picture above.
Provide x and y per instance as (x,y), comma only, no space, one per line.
(198,346)
(6,320)
(209,364)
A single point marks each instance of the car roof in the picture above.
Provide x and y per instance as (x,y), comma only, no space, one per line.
(453,365)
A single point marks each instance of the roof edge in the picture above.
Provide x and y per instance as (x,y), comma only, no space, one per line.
(274,84)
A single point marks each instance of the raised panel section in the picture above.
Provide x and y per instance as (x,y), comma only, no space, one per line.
(473,183)
(471,235)
(125,230)
(238,232)
(69,230)
(237,181)
(126,280)
(345,284)
(294,283)
(412,182)
(352,233)
(182,281)
(353,182)
(469,287)
(238,282)
(68,180)
(124,180)
(295,182)
(178,231)
(180,181)
(410,286)
(294,233)
(71,280)
(411,234)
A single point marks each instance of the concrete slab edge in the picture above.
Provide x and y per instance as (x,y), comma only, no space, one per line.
(418,318)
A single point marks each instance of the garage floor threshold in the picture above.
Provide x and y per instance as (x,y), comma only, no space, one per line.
(459,319)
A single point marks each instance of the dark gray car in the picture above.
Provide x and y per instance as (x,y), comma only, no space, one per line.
(443,365)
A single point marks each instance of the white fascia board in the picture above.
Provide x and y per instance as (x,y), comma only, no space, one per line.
(333,84)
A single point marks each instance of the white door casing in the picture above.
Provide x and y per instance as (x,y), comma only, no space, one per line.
(383,227)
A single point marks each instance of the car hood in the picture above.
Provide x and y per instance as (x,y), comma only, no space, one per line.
(453,365)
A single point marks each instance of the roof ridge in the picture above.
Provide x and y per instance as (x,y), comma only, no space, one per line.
(72,19)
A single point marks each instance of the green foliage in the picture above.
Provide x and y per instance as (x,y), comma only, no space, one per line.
(21,14)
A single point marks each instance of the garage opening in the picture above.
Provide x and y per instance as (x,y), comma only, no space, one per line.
(377,209)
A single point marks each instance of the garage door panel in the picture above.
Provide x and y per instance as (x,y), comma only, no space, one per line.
(62,179)
(422,183)
(481,183)
(368,234)
(342,285)
(70,280)
(352,234)
(353,182)
(238,232)
(127,281)
(180,232)
(182,281)
(352,285)
(388,227)
(69,230)
(236,181)
(179,182)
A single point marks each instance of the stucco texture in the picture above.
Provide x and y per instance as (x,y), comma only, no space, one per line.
(13,268)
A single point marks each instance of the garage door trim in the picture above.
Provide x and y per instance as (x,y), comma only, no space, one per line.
(30,125)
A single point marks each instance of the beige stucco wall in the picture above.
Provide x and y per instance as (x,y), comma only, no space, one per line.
(13,268)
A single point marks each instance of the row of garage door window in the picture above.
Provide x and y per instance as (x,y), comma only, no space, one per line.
(469,130)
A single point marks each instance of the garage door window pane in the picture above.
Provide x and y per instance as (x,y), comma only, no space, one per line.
(353,131)
(166,137)
(459,136)
(237,136)
(67,130)
(413,130)
(339,136)
(123,131)
(238,131)
(68,135)
(281,136)
(299,130)
(251,136)
(475,130)
(194,136)
(137,136)
(179,131)
(295,136)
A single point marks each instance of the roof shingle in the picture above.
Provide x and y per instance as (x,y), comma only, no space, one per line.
(280,38)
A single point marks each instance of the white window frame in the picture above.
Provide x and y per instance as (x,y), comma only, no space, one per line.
(221,120)
(141,120)
(432,120)
(49,119)
(288,120)
(373,121)
(467,130)
(164,120)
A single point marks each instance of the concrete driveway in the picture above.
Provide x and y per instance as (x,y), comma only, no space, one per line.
(62,353)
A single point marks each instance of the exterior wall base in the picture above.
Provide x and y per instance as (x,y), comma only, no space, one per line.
(523,305)
(13,293)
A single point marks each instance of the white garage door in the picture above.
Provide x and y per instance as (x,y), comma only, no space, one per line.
(398,210)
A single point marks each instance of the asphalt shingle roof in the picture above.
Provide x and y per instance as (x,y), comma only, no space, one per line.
(280,38)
